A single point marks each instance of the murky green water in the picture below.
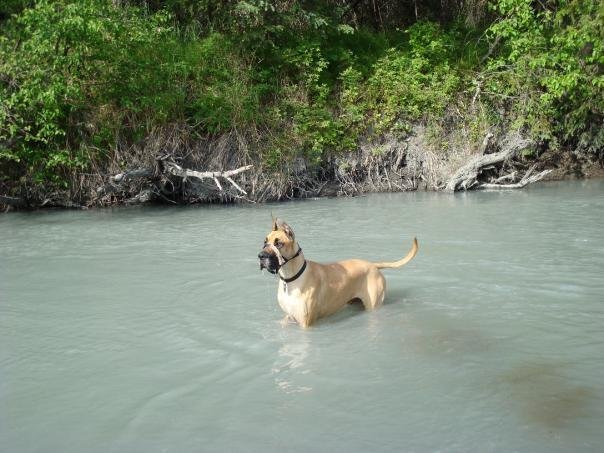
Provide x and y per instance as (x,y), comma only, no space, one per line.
(152,329)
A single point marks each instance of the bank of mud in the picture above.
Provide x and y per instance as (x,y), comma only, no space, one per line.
(171,168)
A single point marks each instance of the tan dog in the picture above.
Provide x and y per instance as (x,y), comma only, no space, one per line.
(308,290)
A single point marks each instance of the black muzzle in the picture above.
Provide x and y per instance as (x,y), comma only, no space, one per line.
(269,261)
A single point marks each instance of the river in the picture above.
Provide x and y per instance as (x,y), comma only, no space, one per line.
(152,329)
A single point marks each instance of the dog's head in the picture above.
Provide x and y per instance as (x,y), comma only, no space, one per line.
(279,241)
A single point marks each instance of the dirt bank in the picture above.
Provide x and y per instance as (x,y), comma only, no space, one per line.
(173,168)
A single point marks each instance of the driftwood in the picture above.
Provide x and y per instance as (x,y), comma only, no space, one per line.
(168,180)
(52,200)
(12,201)
(176,170)
(467,176)
(185,173)
(132,174)
(526,179)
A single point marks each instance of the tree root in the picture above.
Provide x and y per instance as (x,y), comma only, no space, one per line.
(466,177)
(526,179)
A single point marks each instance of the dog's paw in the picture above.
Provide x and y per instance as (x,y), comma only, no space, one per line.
(287,319)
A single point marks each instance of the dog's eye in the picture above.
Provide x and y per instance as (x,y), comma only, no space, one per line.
(278,244)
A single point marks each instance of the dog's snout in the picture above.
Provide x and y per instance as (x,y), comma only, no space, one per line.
(268,261)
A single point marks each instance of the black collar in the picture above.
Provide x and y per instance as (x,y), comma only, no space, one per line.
(289,259)
(291,279)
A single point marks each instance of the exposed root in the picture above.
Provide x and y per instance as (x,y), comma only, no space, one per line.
(466,177)
(162,169)
(526,179)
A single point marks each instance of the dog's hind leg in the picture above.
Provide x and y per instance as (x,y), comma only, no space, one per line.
(375,290)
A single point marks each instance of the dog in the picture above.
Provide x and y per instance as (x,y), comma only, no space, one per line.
(308,290)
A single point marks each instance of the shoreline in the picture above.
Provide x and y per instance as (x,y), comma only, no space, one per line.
(552,179)
(386,164)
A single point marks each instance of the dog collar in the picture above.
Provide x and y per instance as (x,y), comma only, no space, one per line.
(286,260)
(291,279)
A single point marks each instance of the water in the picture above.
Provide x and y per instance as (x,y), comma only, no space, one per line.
(153,330)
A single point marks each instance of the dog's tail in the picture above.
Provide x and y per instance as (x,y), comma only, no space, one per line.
(400,262)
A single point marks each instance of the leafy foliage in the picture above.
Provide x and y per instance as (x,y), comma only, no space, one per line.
(550,67)
(72,72)
(80,78)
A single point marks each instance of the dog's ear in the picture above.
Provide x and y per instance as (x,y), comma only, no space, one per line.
(281,225)
(275,226)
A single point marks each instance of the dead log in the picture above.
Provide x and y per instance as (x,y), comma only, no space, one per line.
(54,200)
(511,177)
(168,178)
(467,176)
(12,201)
(526,179)
(132,174)
(143,196)
(184,173)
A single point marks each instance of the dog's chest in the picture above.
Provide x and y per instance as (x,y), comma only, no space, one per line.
(290,299)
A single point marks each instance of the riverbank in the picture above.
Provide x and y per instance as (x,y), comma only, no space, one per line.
(391,164)
(105,102)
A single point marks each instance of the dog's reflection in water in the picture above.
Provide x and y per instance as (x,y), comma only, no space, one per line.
(290,367)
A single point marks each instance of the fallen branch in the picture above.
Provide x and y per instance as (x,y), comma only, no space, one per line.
(131,174)
(142,197)
(234,184)
(184,173)
(60,203)
(511,177)
(12,201)
(466,176)
(167,180)
(526,179)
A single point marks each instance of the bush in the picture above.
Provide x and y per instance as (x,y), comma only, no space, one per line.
(79,79)
(78,72)
(87,76)
(549,70)
(414,82)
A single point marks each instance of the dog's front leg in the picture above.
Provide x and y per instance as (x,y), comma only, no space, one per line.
(286,320)
(305,320)
(304,323)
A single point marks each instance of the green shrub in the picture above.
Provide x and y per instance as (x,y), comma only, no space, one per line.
(415,81)
(225,91)
(549,69)
(79,79)
(75,72)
